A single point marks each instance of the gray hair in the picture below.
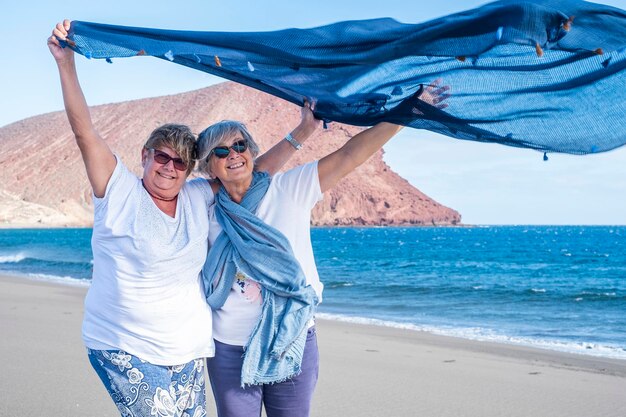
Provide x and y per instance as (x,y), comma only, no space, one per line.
(216,135)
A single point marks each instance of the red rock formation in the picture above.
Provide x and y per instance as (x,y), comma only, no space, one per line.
(42,178)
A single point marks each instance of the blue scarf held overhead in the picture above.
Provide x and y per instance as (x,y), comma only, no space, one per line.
(249,246)
(542,74)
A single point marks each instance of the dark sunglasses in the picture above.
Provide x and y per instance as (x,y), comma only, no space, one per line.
(163,159)
(223,151)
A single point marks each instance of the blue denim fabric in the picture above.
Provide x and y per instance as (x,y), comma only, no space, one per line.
(291,398)
(139,388)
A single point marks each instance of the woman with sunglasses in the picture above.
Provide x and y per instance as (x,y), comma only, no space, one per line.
(147,325)
(260,274)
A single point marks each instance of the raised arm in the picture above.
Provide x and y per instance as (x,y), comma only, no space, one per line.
(353,153)
(98,158)
(274,159)
(359,148)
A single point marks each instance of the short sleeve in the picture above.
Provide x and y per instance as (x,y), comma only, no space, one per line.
(201,185)
(302,183)
(120,185)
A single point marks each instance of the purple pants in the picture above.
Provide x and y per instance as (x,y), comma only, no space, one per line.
(291,398)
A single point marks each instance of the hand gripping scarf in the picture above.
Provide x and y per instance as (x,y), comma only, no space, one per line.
(249,246)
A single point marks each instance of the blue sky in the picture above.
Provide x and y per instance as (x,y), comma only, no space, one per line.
(486,183)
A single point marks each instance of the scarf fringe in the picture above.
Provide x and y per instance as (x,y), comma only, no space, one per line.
(293,355)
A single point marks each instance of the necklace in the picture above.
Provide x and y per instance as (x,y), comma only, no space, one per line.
(157,197)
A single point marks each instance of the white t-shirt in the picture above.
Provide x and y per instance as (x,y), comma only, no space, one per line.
(146,295)
(287,207)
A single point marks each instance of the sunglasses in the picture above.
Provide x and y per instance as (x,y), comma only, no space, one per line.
(223,151)
(163,159)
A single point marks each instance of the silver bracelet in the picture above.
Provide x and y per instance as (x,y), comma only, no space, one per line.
(293,142)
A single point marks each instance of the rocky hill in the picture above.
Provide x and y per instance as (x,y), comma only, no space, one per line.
(43,183)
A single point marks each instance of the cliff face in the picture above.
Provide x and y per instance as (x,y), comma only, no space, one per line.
(43,181)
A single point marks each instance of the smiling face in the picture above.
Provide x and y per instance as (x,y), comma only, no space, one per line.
(236,168)
(225,133)
(162,180)
(160,176)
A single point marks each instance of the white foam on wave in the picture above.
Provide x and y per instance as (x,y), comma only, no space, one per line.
(342,284)
(65,280)
(487,335)
(599,294)
(12,259)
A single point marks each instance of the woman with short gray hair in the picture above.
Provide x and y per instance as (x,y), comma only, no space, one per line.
(260,274)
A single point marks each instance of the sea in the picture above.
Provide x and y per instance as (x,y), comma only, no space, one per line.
(553,287)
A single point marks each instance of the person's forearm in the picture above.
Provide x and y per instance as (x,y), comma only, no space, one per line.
(98,158)
(353,153)
(363,145)
(276,157)
(75,103)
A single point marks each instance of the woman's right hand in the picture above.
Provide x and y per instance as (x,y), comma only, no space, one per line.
(59,32)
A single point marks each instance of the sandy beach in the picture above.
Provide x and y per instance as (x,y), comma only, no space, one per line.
(365,370)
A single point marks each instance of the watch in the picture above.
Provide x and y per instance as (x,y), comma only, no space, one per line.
(293,142)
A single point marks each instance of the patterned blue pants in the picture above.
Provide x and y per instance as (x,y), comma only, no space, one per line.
(141,389)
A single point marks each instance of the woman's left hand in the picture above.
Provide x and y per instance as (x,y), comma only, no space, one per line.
(308,122)
(435,95)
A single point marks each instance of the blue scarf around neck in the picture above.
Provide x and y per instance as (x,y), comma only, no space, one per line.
(249,246)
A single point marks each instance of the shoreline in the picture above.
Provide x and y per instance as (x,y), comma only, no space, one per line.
(350,320)
(365,370)
(586,352)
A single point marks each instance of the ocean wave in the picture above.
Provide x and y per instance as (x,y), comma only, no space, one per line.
(599,296)
(41,260)
(338,284)
(66,280)
(12,259)
(488,335)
